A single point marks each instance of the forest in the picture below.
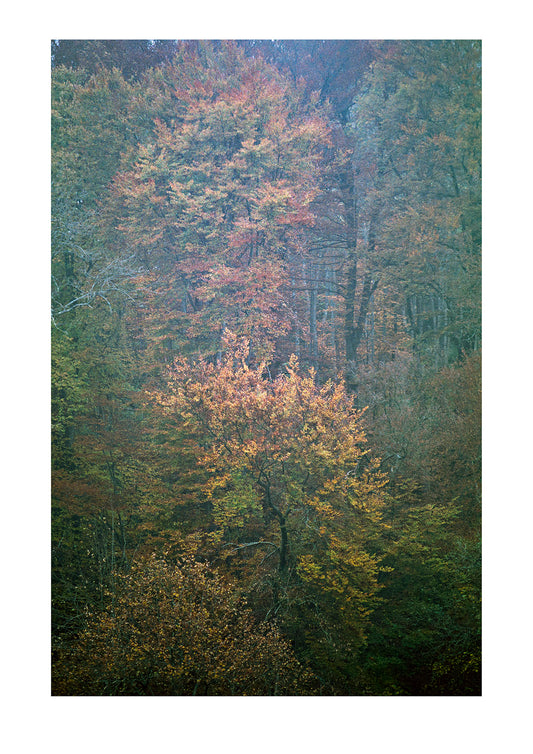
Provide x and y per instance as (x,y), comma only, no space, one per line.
(266,367)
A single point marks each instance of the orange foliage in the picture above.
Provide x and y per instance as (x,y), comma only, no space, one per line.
(287,466)
(177,631)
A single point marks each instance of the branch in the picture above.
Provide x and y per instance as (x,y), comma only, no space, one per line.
(249,544)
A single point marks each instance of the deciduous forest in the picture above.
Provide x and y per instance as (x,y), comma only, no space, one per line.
(266,362)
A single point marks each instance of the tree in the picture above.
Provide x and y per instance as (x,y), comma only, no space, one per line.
(340,275)
(330,68)
(296,499)
(178,630)
(218,197)
(87,112)
(418,121)
(94,422)
(425,637)
(426,427)
(131,56)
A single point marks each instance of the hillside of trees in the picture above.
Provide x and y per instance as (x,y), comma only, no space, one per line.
(266,367)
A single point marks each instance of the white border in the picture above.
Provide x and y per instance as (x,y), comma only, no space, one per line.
(34,720)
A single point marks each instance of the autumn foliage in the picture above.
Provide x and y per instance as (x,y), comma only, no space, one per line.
(178,630)
(266,367)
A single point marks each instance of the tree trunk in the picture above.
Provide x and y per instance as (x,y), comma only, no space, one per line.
(313,330)
(349,199)
(284,545)
(353,330)
(264,483)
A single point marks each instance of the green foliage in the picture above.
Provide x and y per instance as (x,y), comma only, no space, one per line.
(68,395)
(418,130)
(426,634)
(87,112)
(426,425)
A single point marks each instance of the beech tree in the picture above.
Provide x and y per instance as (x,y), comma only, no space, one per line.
(339,273)
(218,196)
(296,497)
(178,630)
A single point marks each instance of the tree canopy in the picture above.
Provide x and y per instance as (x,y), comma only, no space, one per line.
(266,342)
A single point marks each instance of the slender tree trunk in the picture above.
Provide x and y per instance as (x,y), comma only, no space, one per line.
(284,545)
(313,329)
(349,311)
(353,329)
(297,337)
(372,328)
(349,199)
